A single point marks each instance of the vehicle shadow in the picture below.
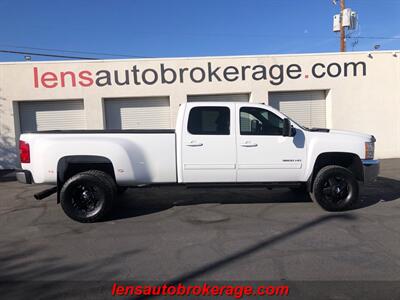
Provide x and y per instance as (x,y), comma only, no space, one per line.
(384,189)
(144,201)
(7,175)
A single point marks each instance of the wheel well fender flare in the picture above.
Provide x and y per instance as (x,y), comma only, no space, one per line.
(348,160)
(68,166)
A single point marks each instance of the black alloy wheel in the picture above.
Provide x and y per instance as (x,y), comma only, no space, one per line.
(88,196)
(335,188)
(86,199)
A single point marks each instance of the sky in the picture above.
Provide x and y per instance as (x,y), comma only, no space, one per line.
(183,28)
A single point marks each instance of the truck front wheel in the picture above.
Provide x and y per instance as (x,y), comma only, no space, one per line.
(88,196)
(335,188)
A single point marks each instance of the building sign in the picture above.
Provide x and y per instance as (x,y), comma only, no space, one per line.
(275,74)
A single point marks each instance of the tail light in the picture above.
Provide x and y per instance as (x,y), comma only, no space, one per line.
(24,152)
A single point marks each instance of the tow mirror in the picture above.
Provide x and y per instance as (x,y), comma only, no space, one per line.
(288,130)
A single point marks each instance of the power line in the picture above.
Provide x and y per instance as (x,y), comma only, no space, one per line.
(376,37)
(47,55)
(128,56)
(74,51)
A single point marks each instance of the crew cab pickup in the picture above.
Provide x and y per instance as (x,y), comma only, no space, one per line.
(214,143)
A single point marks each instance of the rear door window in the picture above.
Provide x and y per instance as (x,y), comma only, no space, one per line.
(209,120)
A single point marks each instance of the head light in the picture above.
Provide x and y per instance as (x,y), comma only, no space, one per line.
(369,150)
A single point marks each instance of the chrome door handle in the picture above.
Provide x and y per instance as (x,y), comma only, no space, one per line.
(194,144)
(249,144)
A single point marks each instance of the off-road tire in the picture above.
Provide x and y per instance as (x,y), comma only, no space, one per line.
(335,188)
(88,196)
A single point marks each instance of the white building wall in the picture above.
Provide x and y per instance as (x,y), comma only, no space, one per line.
(369,103)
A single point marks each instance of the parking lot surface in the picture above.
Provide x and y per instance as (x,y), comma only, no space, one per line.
(167,234)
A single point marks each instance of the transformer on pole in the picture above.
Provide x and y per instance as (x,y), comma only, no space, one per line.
(346,20)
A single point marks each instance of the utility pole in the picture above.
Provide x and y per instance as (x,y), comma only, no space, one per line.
(345,21)
(342,29)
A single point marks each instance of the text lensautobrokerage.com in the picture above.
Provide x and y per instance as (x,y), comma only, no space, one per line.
(275,74)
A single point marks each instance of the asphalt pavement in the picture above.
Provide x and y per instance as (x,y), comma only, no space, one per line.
(176,234)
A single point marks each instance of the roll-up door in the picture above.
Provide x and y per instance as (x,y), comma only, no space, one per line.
(219,97)
(138,113)
(305,107)
(51,115)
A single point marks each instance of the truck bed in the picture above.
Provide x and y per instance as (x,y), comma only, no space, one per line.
(149,131)
(138,156)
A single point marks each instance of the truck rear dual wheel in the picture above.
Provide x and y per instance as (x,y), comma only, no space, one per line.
(335,188)
(88,196)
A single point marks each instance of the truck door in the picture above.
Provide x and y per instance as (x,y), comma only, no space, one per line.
(263,153)
(209,143)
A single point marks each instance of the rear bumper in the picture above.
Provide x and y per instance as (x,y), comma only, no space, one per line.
(24,176)
(371,169)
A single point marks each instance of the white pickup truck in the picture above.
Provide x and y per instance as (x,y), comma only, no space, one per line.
(215,143)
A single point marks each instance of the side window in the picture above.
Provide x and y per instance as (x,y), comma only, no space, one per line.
(258,121)
(210,120)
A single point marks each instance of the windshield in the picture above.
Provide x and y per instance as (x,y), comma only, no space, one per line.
(293,121)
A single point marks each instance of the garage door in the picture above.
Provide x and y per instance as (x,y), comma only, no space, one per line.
(138,113)
(219,97)
(51,115)
(305,107)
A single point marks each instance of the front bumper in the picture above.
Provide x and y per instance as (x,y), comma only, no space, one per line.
(24,176)
(371,169)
